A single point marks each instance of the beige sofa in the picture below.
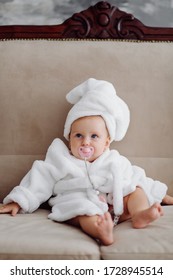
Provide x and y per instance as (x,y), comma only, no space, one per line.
(35,76)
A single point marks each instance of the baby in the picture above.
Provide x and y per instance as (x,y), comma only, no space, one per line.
(87,184)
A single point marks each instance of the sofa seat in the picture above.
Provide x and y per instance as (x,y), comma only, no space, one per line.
(34,236)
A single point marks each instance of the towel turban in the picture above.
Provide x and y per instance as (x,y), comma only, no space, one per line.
(98,98)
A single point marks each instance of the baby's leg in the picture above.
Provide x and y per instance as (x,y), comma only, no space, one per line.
(141,213)
(99,227)
(145,217)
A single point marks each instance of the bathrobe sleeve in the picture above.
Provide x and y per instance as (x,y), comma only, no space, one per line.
(37,185)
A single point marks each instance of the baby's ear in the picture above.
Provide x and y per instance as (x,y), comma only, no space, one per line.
(108,141)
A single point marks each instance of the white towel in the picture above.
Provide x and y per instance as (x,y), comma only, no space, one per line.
(98,98)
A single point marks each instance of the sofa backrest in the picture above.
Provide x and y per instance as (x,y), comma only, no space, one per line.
(36,75)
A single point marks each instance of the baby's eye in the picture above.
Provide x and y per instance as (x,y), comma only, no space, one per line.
(94,136)
(78,135)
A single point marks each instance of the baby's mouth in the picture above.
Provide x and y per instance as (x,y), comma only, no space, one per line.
(86,152)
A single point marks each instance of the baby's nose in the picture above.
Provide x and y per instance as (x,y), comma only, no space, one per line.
(86,141)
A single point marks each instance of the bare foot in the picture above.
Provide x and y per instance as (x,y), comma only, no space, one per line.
(145,217)
(104,226)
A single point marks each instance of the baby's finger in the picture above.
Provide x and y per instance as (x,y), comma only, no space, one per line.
(14,211)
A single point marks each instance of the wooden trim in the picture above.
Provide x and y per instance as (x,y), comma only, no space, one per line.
(101,21)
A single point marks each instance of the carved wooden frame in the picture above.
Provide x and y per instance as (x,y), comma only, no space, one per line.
(101,21)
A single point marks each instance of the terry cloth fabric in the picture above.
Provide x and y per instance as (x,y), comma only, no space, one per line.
(97,97)
(63,178)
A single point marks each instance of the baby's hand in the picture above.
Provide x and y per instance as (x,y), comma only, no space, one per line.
(12,208)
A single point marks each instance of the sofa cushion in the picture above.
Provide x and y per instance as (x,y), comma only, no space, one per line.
(152,242)
(67,242)
(34,236)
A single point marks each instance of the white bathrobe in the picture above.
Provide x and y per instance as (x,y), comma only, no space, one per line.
(63,179)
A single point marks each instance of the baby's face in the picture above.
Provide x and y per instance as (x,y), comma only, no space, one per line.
(89,138)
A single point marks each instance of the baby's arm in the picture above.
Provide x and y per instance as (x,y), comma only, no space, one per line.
(12,208)
(37,186)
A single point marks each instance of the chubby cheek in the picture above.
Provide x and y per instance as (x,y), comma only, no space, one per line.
(73,148)
(97,152)
(100,150)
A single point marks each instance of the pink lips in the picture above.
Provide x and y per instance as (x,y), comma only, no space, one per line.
(86,152)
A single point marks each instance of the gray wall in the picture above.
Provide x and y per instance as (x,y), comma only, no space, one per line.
(38,12)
